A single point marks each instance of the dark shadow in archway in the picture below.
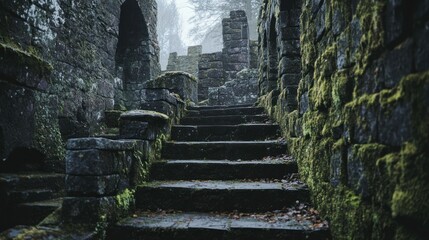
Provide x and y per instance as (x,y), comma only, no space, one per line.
(23,160)
(132,43)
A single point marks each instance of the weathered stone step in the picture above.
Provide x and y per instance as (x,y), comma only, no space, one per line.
(243,132)
(207,196)
(34,195)
(227,150)
(34,213)
(9,182)
(225,120)
(219,107)
(221,169)
(197,226)
(226,111)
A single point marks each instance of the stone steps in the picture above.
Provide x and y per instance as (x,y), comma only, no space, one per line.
(28,198)
(226,111)
(245,132)
(34,212)
(31,181)
(32,195)
(208,196)
(224,150)
(225,120)
(218,165)
(221,169)
(213,226)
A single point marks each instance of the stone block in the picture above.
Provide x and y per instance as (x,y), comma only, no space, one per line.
(143,124)
(110,185)
(290,48)
(161,107)
(87,210)
(398,64)
(290,33)
(150,95)
(96,162)
(343,53)
(181,83)
(102,144)
(395,20)
(290,80)
(31,71)
(421,52)
(111,118)
(395,123)
(356,177)
(290,65)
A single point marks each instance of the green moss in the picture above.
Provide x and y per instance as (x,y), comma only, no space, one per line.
(47,135)
(125,200)
(370,14)
(13,53)
(341,89)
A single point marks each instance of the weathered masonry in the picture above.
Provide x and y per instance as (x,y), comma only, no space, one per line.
(94,58)
(348,81)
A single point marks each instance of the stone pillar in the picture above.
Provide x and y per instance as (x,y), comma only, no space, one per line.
(211,73)
(236,49)
(98,170)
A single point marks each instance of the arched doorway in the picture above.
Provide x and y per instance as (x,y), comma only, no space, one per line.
(273,57)
(133,49)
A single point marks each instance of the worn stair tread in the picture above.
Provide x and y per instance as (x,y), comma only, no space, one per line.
(225,150)
(227,185)
(221,169)
(57,202)
(31,181)
(214,226)
(227,111)
(244,132)
(219,107)
(32,195)
(208,196)
(225,119)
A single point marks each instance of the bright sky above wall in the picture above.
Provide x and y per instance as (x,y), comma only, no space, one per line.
(186,12)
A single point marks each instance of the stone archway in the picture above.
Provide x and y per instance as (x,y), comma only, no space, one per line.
(133,48)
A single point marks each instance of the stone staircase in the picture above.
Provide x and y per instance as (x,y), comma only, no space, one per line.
(224,175)
(28,198)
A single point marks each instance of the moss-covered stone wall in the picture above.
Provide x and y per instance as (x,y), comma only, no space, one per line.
(360,129)
(80,40)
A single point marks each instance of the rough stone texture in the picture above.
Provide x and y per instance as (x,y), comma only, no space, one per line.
(100,173)
(242,90)
(181,83)
(356,117)
(90,61)
(194,226)
(238,53)
(211,73)
(142,124)
(236,45)
(188,63)
(29,134)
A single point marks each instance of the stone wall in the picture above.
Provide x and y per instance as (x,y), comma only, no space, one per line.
(80,40)
(29,135)
(211,73)
(236,45)
(188,63)
(239,91)
(357,123)
(90,69)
